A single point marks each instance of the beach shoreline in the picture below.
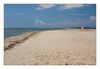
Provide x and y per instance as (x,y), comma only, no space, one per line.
(52,47)
(11,41)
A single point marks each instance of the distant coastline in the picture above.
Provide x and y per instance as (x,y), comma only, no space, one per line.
(56,28)
(9,32)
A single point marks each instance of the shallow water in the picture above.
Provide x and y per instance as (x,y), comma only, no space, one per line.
(9,32)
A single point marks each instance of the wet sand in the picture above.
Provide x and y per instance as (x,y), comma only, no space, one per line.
(55,47)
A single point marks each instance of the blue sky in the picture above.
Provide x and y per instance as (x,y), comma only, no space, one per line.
(49,15)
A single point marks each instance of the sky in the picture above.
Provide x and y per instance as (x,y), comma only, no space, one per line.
(49,15)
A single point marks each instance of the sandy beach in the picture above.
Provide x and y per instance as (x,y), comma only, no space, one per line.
(54,47)
(12,41)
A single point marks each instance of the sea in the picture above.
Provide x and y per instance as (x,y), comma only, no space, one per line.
(10,32)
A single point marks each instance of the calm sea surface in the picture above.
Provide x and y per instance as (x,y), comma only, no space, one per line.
(9,32)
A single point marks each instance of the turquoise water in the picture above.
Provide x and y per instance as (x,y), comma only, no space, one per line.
(9,32)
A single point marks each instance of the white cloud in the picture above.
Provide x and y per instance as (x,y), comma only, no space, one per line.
(39,22)
(92,18)
(44,6)
(22,13)
(78,14)
(63,6)
(70,6)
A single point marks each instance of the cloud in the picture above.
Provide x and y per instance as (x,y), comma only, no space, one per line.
(63,6)
(77,22)
(22,13)
(75,14)
(39,22)
(92,18)
(44,6)
(71,6)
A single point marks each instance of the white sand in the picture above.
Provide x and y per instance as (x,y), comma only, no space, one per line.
(58,47)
